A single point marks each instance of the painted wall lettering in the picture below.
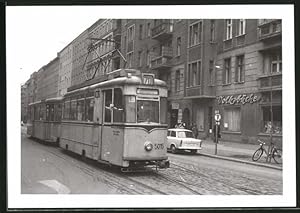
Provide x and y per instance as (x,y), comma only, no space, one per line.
(239,99)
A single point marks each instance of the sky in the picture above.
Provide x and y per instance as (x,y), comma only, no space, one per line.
(35,34)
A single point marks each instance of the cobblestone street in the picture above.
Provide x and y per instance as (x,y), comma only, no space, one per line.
(46,169)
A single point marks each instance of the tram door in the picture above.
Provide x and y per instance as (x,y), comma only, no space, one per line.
(112,130)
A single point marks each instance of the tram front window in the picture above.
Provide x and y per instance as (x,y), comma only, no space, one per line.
(147,111)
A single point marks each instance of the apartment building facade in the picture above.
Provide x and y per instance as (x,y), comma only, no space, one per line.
(65,69)
(47,80)
(79,54)
(223,65)
(248,81)
(24,102)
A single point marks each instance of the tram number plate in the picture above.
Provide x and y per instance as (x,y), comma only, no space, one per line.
(158,146)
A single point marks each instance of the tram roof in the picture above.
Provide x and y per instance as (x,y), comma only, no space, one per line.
(47,100)
(37,102)
(132,80)
(54,99)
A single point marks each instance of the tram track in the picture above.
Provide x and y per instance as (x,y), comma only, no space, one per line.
(120,180)
(183,169)
(112,178)
(179,177)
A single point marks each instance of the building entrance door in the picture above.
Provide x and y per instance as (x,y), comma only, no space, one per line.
(186,117)
(174,117)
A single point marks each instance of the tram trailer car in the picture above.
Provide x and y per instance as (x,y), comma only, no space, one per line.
(44,123)
(121,121)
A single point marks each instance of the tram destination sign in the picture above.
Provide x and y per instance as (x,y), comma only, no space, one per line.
(238,99)
(148,78)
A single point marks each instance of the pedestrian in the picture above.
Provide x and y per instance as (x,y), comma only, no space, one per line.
(195,130)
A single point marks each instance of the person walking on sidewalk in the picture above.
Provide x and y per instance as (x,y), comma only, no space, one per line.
(195,130)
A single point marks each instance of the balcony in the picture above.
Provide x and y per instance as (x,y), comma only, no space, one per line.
(269,28)
(162,31)
(270,82)
(162,60)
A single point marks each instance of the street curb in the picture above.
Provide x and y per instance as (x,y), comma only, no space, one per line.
(241,161)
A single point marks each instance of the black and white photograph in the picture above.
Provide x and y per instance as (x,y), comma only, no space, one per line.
(118,106)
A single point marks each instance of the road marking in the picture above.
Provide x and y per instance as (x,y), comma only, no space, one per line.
(56,185)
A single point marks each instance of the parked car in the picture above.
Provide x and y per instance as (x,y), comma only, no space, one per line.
(179,139)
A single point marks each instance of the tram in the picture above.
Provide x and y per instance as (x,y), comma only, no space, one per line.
(121,121)
(44,120)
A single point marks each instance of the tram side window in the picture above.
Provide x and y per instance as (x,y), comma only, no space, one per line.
(57,112)
(80,109)
(73,115)
(130,108)
(36,112)
(52,112)
(47,112)
(42,115)
(89,107)
(118,109)
(66,109)
(108,102)
(163,110)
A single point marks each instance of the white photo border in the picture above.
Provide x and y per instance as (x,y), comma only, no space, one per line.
(288,199)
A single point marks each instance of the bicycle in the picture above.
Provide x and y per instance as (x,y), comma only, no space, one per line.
(275,153)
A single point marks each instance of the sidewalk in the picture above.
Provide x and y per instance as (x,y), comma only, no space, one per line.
(236,152)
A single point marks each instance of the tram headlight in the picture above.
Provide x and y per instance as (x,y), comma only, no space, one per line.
(148,146)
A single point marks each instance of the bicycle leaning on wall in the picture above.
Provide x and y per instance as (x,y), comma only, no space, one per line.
(275,153)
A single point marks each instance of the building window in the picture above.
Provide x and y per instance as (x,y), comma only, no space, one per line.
(141,31)
(212,30)
(178,46)
(148,59)
(177,81)
(130,38)
(228,29)
(130,59)
(194,70)
(232,119)
(267,126)
(240,69)
(148,30)
(211,72)
(140,58)
(241,27)
(227,71)
(195,32)
(276,62)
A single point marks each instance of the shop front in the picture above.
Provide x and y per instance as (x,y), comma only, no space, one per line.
(247,117)
(179,111)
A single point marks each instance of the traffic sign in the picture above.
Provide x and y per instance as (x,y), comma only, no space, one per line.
(217,117)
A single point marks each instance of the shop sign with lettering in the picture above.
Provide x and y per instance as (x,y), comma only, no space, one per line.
(238,99)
